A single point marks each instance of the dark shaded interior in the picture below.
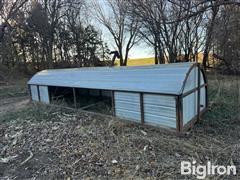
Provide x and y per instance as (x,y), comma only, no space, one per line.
(87,99)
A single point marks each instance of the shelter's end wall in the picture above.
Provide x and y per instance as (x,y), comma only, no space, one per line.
(34,92)
(189,107)
(40,93)
(190,102)
(192,80)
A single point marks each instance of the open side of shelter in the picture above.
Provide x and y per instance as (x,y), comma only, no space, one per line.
(171,95)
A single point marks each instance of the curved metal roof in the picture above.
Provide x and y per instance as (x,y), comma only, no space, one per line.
(165,78)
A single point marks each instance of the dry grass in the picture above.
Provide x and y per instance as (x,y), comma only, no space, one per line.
(151,61)
(140,61)
(13,89)
(69,144)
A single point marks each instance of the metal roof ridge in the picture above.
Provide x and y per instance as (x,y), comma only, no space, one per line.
(123,67)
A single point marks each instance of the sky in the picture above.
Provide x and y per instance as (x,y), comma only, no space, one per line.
(140,50)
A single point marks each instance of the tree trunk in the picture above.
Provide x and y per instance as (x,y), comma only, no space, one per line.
(209,36)
(50,53)
(120,56)
(156,54)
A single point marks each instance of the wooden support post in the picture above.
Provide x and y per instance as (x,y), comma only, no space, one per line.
(179,115)
(206,89)
(49,95)
(142,108)
(198,92)
(74,98)
(39,97)
(113,104)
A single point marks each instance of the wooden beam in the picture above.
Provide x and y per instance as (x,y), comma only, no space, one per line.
(39,97)
(113,104)
(190,124)
(199,93)
(91,105)
(74,98)
(192,91)
(206,87)
(142,108)
(187,75)
(49,95)
(179,115)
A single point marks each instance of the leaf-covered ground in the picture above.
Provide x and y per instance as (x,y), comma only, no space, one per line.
(46,142)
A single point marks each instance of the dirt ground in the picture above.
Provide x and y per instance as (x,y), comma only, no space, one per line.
(45,142)
(13,104)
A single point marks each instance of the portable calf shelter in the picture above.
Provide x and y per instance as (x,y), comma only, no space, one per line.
(169,95)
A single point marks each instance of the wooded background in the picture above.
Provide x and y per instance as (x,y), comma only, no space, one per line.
(40,34)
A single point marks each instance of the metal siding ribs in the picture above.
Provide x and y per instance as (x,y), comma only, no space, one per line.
(127,105)
(34,92)
(160,110)
(43,93)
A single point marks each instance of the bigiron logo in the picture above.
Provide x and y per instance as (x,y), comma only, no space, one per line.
(202,171)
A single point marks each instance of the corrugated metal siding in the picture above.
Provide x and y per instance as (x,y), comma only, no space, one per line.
(192,81)
(189,107)
(44,96)
(167,78)
(34,93)
(190,101)
(127,105)
(159,110)
(202,79)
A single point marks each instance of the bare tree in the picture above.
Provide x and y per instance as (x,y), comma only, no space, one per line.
(8,10)
(200,7)
(73,18)
(155,15)
(54,10)
(123,28)
(209,33)
(191,35)
(47,34)
(226,42)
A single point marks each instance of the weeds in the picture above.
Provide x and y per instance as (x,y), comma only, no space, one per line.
(13,91)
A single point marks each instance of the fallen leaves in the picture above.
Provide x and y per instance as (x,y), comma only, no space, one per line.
(114,161)
(80,146)
(8,159)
